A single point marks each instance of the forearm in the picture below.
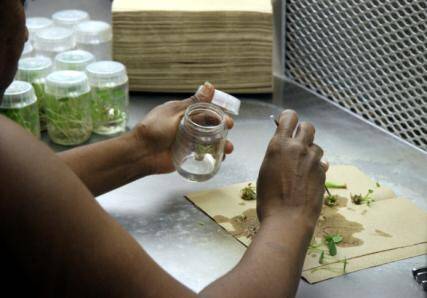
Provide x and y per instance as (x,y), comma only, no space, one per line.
(107,165)
(272,265)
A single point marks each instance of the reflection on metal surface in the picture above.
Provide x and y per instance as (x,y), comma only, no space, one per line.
(367,56)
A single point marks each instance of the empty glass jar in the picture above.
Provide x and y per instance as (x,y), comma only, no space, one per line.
(110,96)
(95,37)
(199,146)
(34,70)
(67,106)
(20,105)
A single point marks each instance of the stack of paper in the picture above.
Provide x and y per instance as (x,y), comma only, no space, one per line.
(176,45)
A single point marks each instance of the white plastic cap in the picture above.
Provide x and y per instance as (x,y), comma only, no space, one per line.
(226,101)
(55,39)
(35,25)
(34,68)
(18,95)
(70,18)
(67,83)
(106,73)
(93,32)
(73,60)
(28,50)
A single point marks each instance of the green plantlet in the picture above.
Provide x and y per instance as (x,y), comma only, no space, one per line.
(39,89)
(335,185)
(331,200)
(248,193)
(69,121)
(27,117)
(331,241)
(202,149)
(367,199)
(109,109)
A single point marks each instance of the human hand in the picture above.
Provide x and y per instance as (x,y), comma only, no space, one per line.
(157,132)
(292,176)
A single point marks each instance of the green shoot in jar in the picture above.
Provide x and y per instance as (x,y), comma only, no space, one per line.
(27,117)
(39,89)
(109,109)
(69,121)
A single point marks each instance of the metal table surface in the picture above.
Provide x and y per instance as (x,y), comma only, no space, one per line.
(196,251)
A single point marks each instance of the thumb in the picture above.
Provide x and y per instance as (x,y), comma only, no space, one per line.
(204,94)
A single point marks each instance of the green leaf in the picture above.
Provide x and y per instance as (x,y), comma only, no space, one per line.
(332,248)
(378,184)
(337,238)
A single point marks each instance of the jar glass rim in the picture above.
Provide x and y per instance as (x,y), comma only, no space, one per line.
(205,107)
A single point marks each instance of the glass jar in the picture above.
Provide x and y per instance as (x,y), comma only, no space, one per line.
(73,60)
(35,25)
(68,107)
(20,105)
(54,40)
(110,96)
(95,37)
(70,18)
(199,146)
(28,50)
(34,70)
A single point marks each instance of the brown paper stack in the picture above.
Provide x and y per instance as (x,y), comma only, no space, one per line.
(175,45)
(390,229)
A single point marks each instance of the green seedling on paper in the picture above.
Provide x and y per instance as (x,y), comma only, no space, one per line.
(331,242)
(366,199)
(248,193)
(69,121)
(109,109)
(323,258)
(331,200)
(335,185)
(27,117)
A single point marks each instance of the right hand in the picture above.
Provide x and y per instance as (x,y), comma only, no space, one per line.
(292,176)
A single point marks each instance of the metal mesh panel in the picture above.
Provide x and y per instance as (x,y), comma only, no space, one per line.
(367,56)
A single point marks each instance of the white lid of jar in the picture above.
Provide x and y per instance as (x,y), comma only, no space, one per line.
(74,60)
(106,73)
(93,32)
(37,24)
(33,68)
(70,18)
(27,50)
(55,39)
(18,95)
(67,83)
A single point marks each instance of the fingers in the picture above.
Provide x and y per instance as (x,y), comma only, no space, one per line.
(204,94)
(287,123)
(228,147)
(318,154)
(324,164)
(305,133)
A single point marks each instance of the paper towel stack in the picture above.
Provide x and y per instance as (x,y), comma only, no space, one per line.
(175,45)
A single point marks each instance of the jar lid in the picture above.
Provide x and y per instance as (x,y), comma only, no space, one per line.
(106,73)
(34,68)
(67,83)
(73,60)
(27,50)
(93,32)
(70,18)
(226,101)
(18,95)
(35,25)
(55,39)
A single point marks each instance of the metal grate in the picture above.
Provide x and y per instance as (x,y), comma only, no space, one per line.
(368,56)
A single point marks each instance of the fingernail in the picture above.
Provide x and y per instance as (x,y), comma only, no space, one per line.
(204,90)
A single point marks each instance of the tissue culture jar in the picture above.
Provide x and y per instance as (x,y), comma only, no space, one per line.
(199,146)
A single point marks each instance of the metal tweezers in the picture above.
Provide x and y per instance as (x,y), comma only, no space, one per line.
(420,275)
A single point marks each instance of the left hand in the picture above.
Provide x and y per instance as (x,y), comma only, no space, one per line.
(158,130)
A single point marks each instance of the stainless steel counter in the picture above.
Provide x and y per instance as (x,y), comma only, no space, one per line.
(195,250)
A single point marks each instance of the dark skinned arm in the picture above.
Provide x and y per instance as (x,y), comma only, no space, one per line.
(144,151)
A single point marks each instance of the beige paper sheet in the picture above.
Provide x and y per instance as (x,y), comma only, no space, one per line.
(390,229)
